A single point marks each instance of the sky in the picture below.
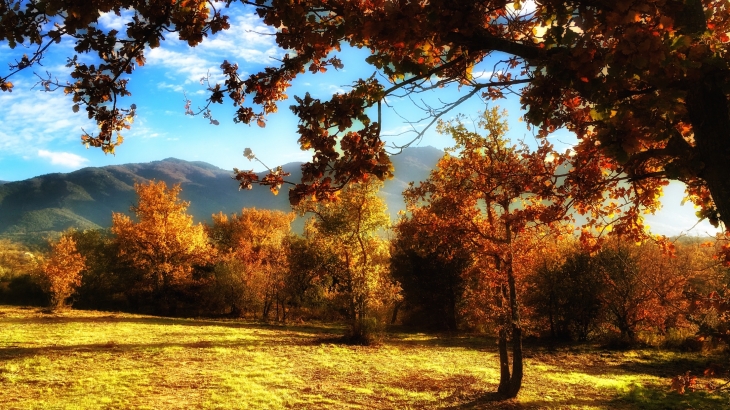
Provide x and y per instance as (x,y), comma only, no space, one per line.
(39,133)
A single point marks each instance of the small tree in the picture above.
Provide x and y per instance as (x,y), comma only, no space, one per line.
(496,198)
(164,245)
(61,272)
(103,284)
(348,229)
(17,282)
(254,249)
(430,266)
(642,287)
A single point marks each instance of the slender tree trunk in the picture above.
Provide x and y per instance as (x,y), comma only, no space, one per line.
(504,372)
(515,382)
(510,384)
(277,308)
(394,318)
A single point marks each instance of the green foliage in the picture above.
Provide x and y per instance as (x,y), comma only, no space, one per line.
(106,283)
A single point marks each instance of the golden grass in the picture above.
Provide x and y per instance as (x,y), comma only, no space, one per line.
(91,360)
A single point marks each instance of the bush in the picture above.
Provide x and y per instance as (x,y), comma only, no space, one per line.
(566,297)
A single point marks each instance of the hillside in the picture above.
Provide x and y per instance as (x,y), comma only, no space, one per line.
(86,198)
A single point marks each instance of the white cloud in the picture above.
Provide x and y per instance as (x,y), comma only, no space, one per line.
(483,75)
(112,21)
(32,119)
(167,86)
(334,89)
(65,159)
(247,42)
(189,64)
(141,129)
(248,39)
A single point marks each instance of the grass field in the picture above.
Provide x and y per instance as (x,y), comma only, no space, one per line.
(91,360)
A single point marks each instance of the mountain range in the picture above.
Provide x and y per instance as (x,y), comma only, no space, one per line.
(85,199)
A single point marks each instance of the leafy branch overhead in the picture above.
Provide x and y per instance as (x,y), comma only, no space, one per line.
(643,83)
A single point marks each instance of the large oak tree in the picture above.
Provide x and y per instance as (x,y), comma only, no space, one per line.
(643,83)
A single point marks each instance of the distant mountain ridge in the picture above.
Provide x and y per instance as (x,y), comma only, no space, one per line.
(86,198)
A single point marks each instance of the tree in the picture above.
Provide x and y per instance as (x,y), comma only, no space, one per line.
(565,291)
(348,230)
(312,269)
(103,282)
(258,241)
(18,282)
(61,272)
(163,245)
(430,266)
(499,199)
(642,287)
(643,83)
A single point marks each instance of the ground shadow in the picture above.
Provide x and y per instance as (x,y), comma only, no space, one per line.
(415,338)
(230,323)
(16,352)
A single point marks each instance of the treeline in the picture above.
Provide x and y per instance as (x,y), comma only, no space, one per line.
(251,265)
(241,265)
(623,292)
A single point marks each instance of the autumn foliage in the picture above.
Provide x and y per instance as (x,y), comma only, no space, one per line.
(60,274)
(642,83)
(500,201)
(163,245)
(358,259)
(253,260)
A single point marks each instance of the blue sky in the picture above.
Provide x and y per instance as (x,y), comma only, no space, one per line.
(40,134)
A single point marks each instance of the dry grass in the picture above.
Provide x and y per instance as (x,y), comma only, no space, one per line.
(91,360)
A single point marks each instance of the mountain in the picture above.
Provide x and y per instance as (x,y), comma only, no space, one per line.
(86,198)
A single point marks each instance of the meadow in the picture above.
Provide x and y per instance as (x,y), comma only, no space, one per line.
(88,360)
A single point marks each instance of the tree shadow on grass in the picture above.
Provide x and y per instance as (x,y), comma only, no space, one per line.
(637,398)
(495,401)
(409,339)
(18,352)
(651,398)
(314,329)
(647,364)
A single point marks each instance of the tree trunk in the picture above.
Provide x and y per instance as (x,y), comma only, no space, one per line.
(709,112)
(504,372)
(710,115)
(396,308)
(515,382)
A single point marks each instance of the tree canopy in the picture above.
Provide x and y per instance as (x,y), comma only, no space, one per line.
(499,201)
(163,244)
(643,83)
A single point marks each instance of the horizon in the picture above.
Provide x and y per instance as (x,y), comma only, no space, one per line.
(673,220)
